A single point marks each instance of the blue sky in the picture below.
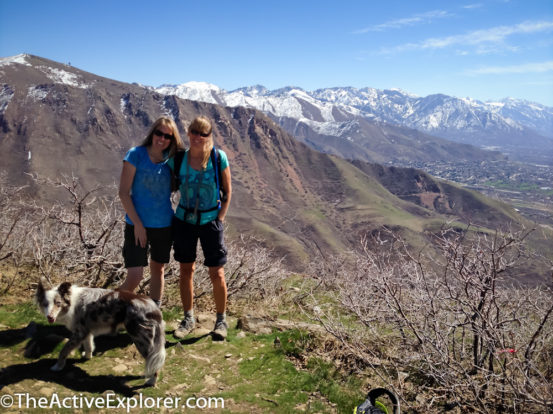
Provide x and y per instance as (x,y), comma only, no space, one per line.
(483,49)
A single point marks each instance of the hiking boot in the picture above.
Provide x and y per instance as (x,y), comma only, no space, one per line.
(186,326)
(220,330)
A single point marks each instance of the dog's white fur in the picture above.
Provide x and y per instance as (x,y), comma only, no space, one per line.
(89,312)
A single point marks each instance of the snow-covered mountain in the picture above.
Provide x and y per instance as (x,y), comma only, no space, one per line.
(514,126)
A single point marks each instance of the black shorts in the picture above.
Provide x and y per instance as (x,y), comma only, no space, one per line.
(185,242)
(159,244)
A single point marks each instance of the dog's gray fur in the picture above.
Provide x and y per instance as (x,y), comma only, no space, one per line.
(88,312)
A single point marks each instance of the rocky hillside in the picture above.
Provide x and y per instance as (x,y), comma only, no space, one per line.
(56,119)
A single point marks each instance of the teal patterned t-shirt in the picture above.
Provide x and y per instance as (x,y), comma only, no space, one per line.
(201,185)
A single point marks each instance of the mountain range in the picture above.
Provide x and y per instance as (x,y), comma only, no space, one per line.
(338,120)
(56,119)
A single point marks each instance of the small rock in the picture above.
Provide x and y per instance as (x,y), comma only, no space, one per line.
(208,380)
(178,388)
(46,391)
(201,331)
(205,318)
(120,368)
(254,324)
(200,358)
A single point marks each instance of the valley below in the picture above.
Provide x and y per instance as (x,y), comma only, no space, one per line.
(527,187)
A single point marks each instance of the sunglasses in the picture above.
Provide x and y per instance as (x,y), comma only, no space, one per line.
(158,133)
(196,132)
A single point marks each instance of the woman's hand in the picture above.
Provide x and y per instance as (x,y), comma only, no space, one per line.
(140,237)
(227,186)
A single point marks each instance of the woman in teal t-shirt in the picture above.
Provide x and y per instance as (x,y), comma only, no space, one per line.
(200,216)
(145,192)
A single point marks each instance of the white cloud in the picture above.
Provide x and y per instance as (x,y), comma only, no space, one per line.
(406,21)
(481,39)
(526,68)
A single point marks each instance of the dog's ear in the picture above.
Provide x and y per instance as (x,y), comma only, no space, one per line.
(65,291)
(44,284)
(41,288)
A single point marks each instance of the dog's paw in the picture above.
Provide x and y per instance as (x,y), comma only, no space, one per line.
(57,367)
(86,354)
(151,381)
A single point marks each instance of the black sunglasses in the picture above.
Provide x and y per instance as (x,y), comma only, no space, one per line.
(158,133)
(196,132)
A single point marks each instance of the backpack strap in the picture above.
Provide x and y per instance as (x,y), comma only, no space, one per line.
(175,176)
(216,162)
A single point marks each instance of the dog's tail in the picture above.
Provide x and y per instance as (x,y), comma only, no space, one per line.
(156,358)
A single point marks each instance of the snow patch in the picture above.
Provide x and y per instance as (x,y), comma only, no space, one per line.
(195,91)
(335,129)
(63,77)
(20,59)
(6,95)
(123,102)
(37,93)
(169,111)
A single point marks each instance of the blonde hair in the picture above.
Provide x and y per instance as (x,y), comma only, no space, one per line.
(203,125)
(176,143)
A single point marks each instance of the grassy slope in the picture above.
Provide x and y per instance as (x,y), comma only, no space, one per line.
(247,371)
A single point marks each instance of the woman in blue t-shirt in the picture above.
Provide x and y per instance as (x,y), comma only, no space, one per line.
(145,192)
(200,216)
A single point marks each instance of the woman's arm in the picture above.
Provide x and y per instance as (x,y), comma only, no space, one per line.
(125,185)
(227,190)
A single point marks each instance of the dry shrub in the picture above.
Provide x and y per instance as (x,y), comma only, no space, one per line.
(443,331)
(15,220)
(79,235)
(79,238)
(254,275)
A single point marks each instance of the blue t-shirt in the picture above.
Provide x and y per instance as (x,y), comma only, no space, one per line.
(204,188)
(151,189)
